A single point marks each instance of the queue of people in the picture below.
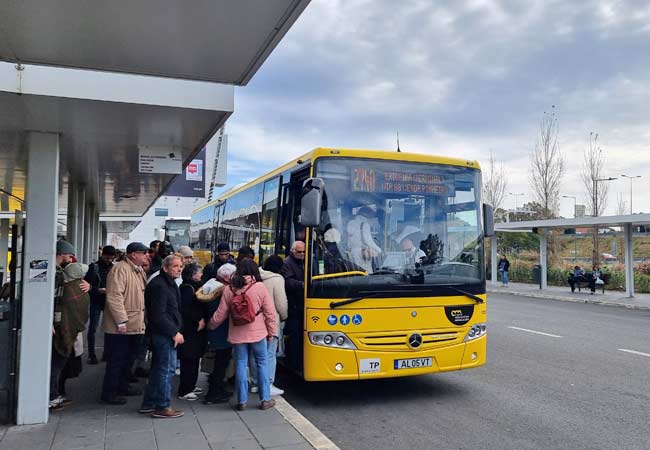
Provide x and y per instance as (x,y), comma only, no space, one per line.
(153,301)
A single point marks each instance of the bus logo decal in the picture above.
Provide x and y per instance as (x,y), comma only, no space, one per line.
(459,315)
(415,340)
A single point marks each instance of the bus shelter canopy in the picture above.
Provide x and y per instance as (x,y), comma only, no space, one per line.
(627,222)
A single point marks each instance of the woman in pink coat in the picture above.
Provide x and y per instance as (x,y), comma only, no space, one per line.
(246,281)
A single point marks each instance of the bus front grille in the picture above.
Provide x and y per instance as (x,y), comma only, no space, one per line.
(398,341)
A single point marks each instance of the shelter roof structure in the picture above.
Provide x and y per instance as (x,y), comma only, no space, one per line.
(604,221)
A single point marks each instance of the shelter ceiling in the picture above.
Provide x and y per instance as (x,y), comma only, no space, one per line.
(99,144)
(212,40)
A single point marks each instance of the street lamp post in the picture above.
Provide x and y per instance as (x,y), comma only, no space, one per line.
(575,238)
(631,177)
(515,194)
(596,255)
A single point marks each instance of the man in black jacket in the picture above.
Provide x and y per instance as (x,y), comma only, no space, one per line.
(96,276)
(293,271)
(164,321)
(222,257)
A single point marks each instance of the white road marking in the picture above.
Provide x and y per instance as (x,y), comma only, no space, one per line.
(634,352)
(535,332)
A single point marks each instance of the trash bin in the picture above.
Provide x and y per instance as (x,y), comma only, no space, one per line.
(537,274)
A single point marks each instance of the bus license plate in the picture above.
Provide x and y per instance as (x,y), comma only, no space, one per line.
(413,363)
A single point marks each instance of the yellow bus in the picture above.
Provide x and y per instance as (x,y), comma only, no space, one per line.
(394,265)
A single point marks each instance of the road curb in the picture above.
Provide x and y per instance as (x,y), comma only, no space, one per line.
(303,426)
(569,299)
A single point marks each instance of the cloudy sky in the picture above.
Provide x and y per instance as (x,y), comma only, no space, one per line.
(456,78)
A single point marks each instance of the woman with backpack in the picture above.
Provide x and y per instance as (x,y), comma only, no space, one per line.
(251,313)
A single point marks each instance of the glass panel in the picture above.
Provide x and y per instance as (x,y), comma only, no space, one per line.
(269,218)
(201,230)
(242,219)
(393,228)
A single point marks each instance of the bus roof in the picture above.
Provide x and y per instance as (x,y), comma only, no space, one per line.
(348,153)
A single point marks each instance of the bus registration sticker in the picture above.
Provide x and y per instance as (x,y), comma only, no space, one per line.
(413,363)
(370,365)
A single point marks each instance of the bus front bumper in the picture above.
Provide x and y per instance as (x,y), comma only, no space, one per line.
(330,364)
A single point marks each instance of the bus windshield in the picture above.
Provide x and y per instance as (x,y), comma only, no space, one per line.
(396,229)
(177,232)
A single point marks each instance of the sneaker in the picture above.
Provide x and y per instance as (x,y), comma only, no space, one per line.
(146,410)
(177,371)
(167,413)
(276,390)
(254,389)
(56,403)
(65,401)
(197,390)
(190,397)
(92,360)
(267,404)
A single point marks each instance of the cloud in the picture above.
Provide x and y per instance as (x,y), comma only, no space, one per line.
(454,78)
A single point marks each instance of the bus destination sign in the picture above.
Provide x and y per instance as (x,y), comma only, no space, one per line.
(390,181)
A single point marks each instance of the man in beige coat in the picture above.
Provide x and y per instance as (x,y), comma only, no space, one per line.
(123,322)
(274,283)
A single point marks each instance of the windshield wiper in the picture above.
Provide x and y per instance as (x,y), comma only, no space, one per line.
(476,298)
(350,300)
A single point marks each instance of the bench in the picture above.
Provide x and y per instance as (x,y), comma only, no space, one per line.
(584,284)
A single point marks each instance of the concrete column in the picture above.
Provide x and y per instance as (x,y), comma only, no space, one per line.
(542,258)
(103,233)
(95,241)
(73,205)
(629,261)
(493,259)
(4,248)
(88,218)
(81,218)
(38,293)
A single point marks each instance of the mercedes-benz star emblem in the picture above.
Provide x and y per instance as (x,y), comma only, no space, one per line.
(415,340)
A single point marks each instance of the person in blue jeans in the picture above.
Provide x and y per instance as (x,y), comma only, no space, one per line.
(503,267)
(248,332)
(164,321)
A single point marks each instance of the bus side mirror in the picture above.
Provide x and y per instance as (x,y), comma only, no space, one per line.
(312,201)
(488,220)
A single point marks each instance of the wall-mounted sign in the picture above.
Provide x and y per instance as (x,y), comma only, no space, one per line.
(192,183)
(160,159)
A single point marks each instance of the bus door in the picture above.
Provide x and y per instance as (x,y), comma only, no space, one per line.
(290,231)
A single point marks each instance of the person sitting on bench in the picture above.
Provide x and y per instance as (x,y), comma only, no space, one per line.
(577,275)
(596,275)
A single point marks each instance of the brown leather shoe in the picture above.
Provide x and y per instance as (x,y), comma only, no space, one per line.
(167,413)
(267,404)
(240,406)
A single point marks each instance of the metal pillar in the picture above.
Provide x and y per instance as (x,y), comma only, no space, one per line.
(38,292)
(542,258)
(629,261)
(88,218)
(4,249)
(81,218)
(493,259)
(73,205)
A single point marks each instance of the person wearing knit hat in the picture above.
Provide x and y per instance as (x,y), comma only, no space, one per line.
(187,254)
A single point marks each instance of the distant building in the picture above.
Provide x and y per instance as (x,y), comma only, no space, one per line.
(580,211)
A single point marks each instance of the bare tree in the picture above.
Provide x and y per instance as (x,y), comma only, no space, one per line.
(547,165)
(495,185)
(592,173)
(592,170)
(621,206)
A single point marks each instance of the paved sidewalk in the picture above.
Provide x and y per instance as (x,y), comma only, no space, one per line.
(611,298)
(86,424)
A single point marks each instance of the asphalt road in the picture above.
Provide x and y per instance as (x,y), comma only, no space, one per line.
(580,385)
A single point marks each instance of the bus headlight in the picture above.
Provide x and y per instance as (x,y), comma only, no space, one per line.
(476,331)
(332,339)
